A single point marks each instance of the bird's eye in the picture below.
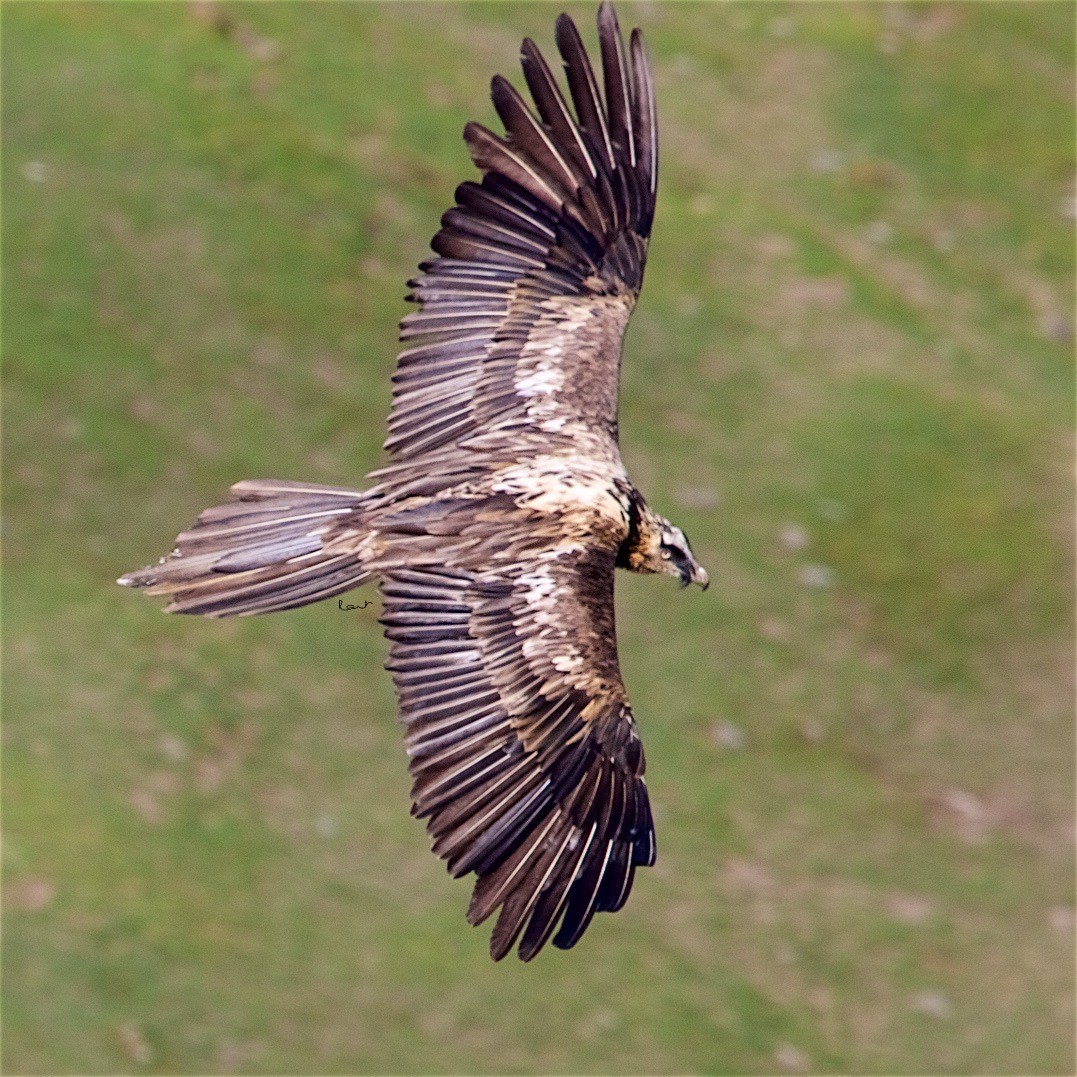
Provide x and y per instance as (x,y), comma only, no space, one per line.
(671,552)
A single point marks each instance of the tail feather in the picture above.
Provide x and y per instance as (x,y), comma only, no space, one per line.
(274,546)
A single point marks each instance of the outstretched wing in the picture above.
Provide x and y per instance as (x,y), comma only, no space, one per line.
(523,311)
(523,749)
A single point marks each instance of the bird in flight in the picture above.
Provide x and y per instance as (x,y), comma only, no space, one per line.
(494,531)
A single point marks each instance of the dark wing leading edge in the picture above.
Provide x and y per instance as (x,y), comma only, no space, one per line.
(522,746)
(523,311)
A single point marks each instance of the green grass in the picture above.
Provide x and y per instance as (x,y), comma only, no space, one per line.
(852,364)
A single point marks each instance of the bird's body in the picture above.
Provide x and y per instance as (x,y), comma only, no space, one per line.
(495,530)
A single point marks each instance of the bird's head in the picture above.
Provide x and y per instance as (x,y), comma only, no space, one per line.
(661,547)
(676,555)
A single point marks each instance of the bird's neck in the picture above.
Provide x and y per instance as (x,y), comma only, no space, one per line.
(637,549)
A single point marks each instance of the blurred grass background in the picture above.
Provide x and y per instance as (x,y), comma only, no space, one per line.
(850,379)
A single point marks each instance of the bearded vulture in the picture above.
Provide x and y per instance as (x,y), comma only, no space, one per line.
(494,531)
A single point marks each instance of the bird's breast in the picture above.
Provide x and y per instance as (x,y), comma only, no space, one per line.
(583,494)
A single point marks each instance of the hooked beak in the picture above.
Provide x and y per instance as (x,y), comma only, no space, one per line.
(695,573)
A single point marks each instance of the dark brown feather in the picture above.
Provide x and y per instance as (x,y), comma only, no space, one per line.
(507,745)
(559,224)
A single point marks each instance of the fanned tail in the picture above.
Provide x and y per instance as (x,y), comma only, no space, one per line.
(274,546)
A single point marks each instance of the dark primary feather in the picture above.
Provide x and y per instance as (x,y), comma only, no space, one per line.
(545,253)
(526,761)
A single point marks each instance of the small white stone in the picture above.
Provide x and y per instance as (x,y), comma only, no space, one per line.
(879,232)
(728,735)
(971,817)
(173,747)
(1057,327)
(792,1058)
(828,161)
(817,577)
(135,1043)
(932,1004)
(1061,918)
(36,171)
(912,909)
(794,538)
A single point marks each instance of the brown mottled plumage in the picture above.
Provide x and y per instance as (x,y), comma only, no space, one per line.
(495,530)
